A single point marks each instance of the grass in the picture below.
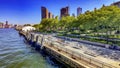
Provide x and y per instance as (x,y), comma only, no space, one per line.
(93,39)
(76,34)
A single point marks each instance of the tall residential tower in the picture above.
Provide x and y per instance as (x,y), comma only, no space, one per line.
(44,12)
(50,15)
(79,11)
(64,11)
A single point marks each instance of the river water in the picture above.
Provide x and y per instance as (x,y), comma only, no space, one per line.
(15,53)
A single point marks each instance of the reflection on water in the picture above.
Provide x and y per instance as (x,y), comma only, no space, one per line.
(14,53)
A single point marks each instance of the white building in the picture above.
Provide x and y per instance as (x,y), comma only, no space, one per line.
(28,28)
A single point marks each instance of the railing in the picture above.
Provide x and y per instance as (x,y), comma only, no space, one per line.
(76,55)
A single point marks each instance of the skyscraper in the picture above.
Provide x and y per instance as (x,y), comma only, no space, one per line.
(64,11)
(73,14)
(95,9)
(44,12)
(6,25)
(50,15)
(79,11)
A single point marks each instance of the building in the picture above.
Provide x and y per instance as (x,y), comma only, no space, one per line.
(50,15)
(28,28)
(73,14)
(79,11)
(1,25)
(44,12)
(11,26)
(6,25)
(95,9)
(64,11)
(117,4)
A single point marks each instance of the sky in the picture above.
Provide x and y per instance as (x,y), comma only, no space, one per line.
(29,11)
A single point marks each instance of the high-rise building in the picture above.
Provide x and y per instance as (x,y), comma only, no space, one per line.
(73,14)
(117,4)
(95,9)
(79,11)
(50,15)
(44,12)
(1,25)
(64,11)
(6,25)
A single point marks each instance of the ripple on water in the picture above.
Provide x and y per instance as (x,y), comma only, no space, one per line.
(14,53)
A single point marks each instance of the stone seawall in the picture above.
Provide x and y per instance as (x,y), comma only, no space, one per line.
(62,52)
(37,41)
(63,59)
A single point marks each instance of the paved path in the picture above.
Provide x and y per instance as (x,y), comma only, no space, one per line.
(71,47)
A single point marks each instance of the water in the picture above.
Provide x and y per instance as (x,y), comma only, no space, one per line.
(15,53)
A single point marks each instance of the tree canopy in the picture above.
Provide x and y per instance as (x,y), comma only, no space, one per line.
(106,16)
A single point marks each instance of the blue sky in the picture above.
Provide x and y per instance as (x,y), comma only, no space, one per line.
(29,11)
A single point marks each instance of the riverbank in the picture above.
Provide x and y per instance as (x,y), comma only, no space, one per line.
(15,53)
(74,50)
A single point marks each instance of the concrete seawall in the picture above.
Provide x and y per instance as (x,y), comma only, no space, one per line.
(60,53)
(37,41)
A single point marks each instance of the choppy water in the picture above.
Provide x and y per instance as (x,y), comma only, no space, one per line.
(14,53)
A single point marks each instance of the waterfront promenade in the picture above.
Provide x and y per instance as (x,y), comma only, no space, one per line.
(90,53)
(82,54)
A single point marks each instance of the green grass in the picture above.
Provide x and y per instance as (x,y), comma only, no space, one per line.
(92,39)
(76,32)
